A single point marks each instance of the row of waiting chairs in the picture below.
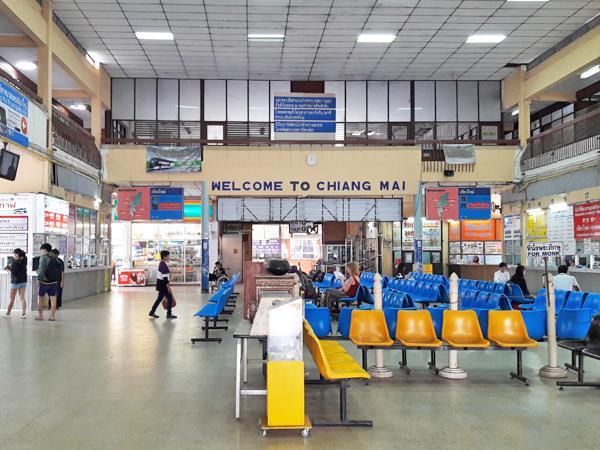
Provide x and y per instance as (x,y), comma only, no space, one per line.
(568,300)
(420,291)
(461,331)
(474,299)
(212,311)
(329,282)
(429,278)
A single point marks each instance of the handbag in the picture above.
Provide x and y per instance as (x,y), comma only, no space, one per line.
(164,303)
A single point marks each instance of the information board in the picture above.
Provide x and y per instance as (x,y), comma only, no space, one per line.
(302,116)
(586,220)
(537,228)
(10,241)
(14,223)
(14,114)
(133,204)
(166,203)
(475,203)
(560,229)
(442,203)
(512,227)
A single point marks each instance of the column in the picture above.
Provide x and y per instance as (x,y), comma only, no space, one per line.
(205,235)
(524,121)
(96,119)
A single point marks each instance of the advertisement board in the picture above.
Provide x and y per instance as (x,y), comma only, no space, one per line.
(16,205)
(173,159)
(431,231)
(56,215)
(14,223)
(131,277)
(478,230)
(166,203)
(14,115)
(133,204)
(586,220)
(537,226)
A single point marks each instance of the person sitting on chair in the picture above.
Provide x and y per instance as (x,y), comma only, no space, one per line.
(218,272)
(349,288)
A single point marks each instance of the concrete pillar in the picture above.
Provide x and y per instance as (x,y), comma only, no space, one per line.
(379,370)
(552,369)
(418,239)
(96,119)
(452,371)
(44,70)
(524,121)
(205,235)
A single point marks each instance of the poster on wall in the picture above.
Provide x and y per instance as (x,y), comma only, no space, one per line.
(512,227)
(14,115)
(133,204)
(431,231)
(560,228)
(14,223)
(493,248)
(586,220)
(472,248)
(16,205)
(302,116)
(131,277)
(192,210)
(166,203)
(537,229)
(441,203)
(478,230)
(173,159)
(56,215)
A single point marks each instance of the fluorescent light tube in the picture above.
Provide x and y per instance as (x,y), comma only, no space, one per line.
(590,72)
(376,38)
(485,38)
(154,35)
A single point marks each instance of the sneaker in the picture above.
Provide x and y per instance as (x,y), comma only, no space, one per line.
(171,317)
(154,316)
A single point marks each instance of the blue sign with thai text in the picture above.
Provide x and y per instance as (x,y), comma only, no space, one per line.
(14,112)
(474,203)
(166,204)
(304,113)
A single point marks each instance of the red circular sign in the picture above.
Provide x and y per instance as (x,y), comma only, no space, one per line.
(24,125)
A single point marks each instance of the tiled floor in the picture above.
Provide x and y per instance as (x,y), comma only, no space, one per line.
(104,376)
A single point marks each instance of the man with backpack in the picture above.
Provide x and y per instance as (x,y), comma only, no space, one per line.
(48,278)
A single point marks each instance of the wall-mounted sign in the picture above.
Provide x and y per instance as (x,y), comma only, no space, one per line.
(474,203)
(586,220)
(304,116)
(133,204)
(10,241)
(16,205)
(478,230)
(431,231)
(303,186)
(512,227)
(544,249)
(14,223)
(173,159)
(454,231)
(560,228)
(472,248)
(14,115)
(442,203)
(56,215)
(166,203)
(537,226)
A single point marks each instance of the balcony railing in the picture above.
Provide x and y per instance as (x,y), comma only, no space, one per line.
(569,140)
(71,138)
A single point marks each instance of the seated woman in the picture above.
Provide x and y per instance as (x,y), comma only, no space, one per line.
(218,272)
(519,279)
(349,288)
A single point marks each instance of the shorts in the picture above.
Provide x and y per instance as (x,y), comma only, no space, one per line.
(47,288)
(18,285)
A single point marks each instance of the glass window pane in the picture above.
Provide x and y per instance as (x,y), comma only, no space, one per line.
(557,115)
(189,93)
(168,99)
(259,101)
(468,131)
(356,101)
(339,89)
(278,87)
(214,100)
(122,98)
(568,109)
(145,99)
(237,100)
(445,101)
(424,131)
(355,130)
(399,132)
(489,101)
(424,100)
(378,131)
(467,101)
(399,101)
(446,131)
(377,98)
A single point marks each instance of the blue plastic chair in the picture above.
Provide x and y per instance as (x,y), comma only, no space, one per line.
(592,302)
(516,294)
(575,300)
(535,322)
(344,320)
(319,319)
(560,299)
(437,316)
(482,317)
(481,301)
(573,323)
(391,317)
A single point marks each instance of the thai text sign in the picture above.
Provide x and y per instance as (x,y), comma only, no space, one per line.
(586,220)
(544,249)
(14,112)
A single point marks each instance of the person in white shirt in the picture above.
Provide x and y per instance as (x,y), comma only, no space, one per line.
(565,282)
(502,275)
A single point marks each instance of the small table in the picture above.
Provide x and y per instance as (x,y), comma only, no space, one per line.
(242,333)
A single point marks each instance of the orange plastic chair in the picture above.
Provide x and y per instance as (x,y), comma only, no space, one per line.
(369,328)
(507,329)
(461,329)
(415,329)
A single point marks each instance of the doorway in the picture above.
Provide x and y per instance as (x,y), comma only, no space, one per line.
(232,253)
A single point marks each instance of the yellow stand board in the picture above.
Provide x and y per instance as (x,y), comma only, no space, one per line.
(427,268)
(285,393)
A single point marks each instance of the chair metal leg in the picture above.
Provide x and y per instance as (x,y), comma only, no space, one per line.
(432,363)
(206,338)
(404,362)
(579,382)
(519,375)
(344,422)
(364,358)
(575,355)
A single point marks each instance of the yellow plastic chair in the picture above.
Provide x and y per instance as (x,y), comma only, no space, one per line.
(461,329)
(507,329)
(415,329)
(369,328)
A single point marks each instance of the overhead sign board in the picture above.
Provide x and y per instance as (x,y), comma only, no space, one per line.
(14,115)
(173,159)
(166,203)
(474,203)
(302,116)
(544,249)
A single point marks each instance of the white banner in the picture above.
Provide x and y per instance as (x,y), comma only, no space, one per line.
(544,249)
(8,242)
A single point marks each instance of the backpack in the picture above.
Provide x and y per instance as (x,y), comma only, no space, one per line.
(53,270)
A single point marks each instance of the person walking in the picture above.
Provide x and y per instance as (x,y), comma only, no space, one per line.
(61,282)
(349,288)
(18,281)
(48,278)
(163,286)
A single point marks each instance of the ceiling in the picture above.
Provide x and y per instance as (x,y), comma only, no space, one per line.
(320,36)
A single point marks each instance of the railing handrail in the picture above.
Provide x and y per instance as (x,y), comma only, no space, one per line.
(268,142)
(21,87)
(581,118)
(71,122)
